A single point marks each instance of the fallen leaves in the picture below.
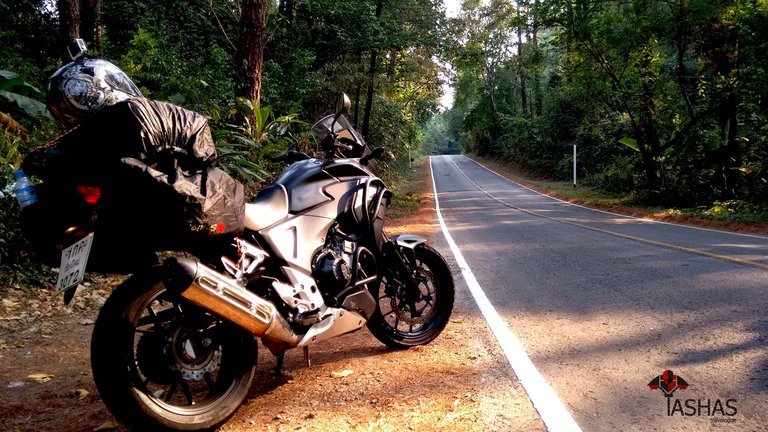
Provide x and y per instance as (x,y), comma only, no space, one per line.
(80,394)
(9,304)
(107,425)
(342,374)
(41,377)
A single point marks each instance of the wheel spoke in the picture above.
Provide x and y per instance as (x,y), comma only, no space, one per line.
(146,321)
(209,381)
(156,318)
(187,392)
(172,390)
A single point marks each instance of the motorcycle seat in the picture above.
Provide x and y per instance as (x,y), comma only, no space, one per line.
(269,206)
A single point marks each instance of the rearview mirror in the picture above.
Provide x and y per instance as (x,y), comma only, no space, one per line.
(374,154)
(279,129)
(343,105)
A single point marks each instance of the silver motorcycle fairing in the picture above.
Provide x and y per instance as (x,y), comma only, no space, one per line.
(336,322)
(297,239)
(301,235)
(307,181)
(293,217)
(304,181)
(409,241)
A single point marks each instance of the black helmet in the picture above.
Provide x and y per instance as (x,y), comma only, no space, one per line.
(83,87)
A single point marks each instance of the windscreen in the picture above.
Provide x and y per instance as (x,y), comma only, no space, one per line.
(322,128)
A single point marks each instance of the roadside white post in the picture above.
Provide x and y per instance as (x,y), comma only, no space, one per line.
(574,165)
(410,161)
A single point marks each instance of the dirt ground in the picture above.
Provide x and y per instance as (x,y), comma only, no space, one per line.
(460,382)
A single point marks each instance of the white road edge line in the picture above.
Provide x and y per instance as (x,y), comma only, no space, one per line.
(616,214)
(546,402)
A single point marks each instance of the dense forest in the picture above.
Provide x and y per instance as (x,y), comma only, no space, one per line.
(189,52)
(245,64)
(664,99)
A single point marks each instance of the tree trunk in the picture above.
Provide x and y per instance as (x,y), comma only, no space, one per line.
(537,92)
(569,40)
(392,66)
(250,53)
(729,126)
(69,24)
(89,21)
(723,56)
(369,99)
(371,79)
(358,87)
(521,64)
(650,147)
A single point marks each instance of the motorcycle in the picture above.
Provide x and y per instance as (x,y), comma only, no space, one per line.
(175,347)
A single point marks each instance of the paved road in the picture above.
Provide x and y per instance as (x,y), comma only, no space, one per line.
(603,304)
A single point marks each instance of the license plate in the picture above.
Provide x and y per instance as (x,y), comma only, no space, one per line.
(73,261)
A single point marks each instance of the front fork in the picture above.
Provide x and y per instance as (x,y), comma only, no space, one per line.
(400,254)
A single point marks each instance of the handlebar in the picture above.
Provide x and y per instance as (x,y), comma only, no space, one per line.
(290,157)
(340,144)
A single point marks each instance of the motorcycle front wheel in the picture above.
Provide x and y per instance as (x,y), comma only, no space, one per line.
(163,364)
(404,319)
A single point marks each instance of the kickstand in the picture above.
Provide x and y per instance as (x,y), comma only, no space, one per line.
(307,360)
(279,363)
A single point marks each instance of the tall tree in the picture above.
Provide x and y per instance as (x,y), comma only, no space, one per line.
(521,23)
(90,24)
(250,53)
(69,23)
(372,78)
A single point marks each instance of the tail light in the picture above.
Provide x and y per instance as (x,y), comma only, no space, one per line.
(91,194)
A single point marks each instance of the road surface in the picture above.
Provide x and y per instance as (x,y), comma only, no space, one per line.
(603,304)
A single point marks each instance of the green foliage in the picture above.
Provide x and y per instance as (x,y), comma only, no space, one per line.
(247,137)
(178,51)
(664,100)
(631,143)
(18,97)
(28,36)
(618,177)
(18,105)
(182,51)
(439,137)
(734,210)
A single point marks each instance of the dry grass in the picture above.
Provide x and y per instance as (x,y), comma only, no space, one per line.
(412,210)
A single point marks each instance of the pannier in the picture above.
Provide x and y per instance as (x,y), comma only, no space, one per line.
(140,175)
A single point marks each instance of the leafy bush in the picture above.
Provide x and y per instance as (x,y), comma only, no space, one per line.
(734,210)
(618,177)
(247,137)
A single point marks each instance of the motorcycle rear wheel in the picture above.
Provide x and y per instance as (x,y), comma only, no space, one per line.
(401,324)
(161,364)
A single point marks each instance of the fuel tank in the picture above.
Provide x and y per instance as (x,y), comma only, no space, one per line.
(309,182)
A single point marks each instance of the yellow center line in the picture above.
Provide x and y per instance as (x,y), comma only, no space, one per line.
(614,233)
